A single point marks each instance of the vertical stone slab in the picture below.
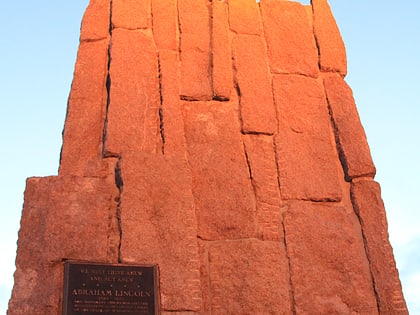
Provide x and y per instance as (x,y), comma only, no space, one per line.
(328,265)
(171,116)
(133,113)
(64,217)
(253,80)
(221,52)
(96,20)
(63,213)
(158,226)
(194,18)
(244,17)
(307,159)
(350,135)
(131,14)
(332,52)
(249,277)
(290,39)
(83,130)
(366,196)
(224,199)
(165,24)
(262,162)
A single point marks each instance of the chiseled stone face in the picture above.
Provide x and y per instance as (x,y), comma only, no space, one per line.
(328,265)
(219,141)
(249,277)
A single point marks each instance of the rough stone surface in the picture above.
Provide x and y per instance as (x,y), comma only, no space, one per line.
(260,153)
(244,17)
(171,115)
(309,13)
(258,113)
(158,226)
(165,24)
(82,136)
(258,278)
(218,166)
(131,14)
(203,247)
(332,52)
(290,40)
(366,196)
(221,52)
(194,18)
(59,215)
(328,265)
(96,20)
(307,159)
(350,136)
(133,113)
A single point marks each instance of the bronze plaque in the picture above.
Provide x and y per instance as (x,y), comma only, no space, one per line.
(91,288)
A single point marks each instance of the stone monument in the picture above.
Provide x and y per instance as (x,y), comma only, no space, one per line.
(213,162)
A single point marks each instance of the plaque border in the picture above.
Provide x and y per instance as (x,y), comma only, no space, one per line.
(66,271)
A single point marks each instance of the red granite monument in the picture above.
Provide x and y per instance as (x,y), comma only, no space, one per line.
(217,143)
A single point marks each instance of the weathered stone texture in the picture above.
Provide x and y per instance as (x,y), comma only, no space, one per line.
(165,24)
(332,52)
(253,80)
(204,275)
(172,121)
(67,207)
(221,52)
(290,40)
(258,278)
(263,167)
(351,138)
(218,140)
(194,18)
(224,199)
(328,265)
(82,136)
(159,227)
(96,21)
(307,159)
(244,17)
(133,113)
(59,209)
(366,196)
(131,14)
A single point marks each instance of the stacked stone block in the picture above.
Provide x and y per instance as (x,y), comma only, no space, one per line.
(219,140)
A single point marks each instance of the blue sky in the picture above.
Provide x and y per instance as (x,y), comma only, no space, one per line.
(39,42)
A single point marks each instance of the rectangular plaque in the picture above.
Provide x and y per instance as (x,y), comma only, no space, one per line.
(108,289)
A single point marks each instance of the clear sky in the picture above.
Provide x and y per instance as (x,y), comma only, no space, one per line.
(39,42)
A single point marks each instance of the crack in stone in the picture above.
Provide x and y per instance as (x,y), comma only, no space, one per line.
(161,119)
(216,98)
(276,158)
(120,184)
(316,38)
(108,90)
(365,245)
(92,40)
(340,150)
(257,133)
(161,124)
(291,287)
